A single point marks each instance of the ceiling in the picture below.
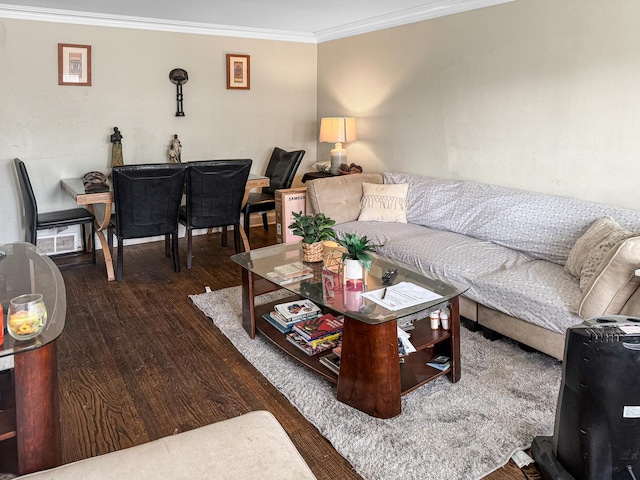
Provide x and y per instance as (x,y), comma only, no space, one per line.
(294,20)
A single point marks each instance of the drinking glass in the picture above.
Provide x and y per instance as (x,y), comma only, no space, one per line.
(27,316)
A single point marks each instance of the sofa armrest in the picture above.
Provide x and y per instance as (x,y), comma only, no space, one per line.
(339,197)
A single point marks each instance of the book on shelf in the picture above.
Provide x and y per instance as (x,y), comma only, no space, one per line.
(298,310)
(338,348)
(276,324)
(275,278)
(320,326)
(441,362)
(310,350)
(290,270)
(332,362)
(330,337)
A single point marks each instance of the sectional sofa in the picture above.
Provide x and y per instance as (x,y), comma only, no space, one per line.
(534,263)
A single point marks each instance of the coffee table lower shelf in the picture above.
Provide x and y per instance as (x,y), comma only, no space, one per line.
(372,377)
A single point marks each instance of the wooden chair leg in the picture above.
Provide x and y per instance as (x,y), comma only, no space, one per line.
(167,246)
(110,241)
(247,224)
(176,253)
(93,243)
(189,248)
(84,238)
(265,224)
(236,237)
(224,236)
(120,267)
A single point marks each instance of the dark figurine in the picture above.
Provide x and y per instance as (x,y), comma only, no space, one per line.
(116,136)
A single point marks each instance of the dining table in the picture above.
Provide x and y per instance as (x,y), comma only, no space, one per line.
(74,187)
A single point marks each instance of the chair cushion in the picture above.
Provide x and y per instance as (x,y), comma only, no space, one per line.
(60,218)
(260,202)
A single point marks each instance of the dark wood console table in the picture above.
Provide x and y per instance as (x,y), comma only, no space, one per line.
(372,377)
(29,412)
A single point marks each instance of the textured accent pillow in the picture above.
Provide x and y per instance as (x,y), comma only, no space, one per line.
(613,282)
(384,203)
(595,235)
(598,251)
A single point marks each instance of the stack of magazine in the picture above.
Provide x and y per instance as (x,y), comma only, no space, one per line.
(289,273)
(286,315)
(332,361)
(317,335)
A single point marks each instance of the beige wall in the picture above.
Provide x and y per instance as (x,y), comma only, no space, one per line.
(542,95)
(63,131)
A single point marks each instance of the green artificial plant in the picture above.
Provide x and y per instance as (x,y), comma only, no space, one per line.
(358,248)
(312,228)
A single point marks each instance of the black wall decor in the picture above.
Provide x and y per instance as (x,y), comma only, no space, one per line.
(179,77)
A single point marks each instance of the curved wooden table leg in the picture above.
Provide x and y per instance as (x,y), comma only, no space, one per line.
(37,409)
(369,377)
(101,226)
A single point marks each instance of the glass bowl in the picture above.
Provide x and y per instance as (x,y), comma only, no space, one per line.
(27,316)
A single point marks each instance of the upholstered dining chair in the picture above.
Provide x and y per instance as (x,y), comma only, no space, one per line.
(147,199)
(281,169)
(34,221)
(215,190)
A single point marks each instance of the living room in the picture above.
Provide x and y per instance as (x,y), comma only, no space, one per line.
(532,95)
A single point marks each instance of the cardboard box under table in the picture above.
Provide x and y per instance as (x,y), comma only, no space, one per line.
(288,201)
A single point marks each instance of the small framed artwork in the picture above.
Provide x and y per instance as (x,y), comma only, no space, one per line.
(74,64)
(238,72)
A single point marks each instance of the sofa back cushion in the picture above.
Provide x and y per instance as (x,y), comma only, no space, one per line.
(544,226)
(339,197)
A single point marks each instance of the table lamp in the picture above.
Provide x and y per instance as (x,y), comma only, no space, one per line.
(338,130)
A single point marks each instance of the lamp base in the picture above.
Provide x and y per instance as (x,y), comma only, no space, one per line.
(338,157)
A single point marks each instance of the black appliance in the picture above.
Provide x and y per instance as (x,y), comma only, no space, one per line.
(597,430)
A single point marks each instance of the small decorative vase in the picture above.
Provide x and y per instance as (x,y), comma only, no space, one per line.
(353,269)
(312,252)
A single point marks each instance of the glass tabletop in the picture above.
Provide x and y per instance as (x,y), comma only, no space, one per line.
(26,269)
(326,288)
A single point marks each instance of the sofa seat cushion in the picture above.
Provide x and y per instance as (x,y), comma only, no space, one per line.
(447,254)
(539,292)
(253,445)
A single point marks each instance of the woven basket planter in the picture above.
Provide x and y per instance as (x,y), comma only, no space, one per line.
(312,252)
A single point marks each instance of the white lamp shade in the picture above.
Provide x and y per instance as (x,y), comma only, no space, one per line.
(338,129)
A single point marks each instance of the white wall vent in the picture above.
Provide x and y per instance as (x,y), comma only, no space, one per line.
(55,241)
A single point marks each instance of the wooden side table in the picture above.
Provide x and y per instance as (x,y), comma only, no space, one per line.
(313,175)
(30,417)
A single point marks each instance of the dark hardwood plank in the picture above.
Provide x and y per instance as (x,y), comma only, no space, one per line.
(138,361)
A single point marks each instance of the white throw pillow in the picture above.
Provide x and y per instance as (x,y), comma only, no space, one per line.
(384,203)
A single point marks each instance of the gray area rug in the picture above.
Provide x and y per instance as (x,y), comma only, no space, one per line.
(466,430)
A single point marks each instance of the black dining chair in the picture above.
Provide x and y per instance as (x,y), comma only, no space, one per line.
(147,199)
(281,170)
(215,190)
(34,221)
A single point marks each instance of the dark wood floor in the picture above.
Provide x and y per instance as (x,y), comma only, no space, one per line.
(138,361)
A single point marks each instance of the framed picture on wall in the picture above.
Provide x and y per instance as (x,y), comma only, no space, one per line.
(238,72)
(74,64)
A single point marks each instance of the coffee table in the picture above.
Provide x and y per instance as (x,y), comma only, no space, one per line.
(373,376)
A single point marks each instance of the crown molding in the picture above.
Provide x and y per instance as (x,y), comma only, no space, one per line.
(142,23)
(404,17)
(395,19)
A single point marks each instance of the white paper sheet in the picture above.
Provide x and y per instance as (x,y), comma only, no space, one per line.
(402,295)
